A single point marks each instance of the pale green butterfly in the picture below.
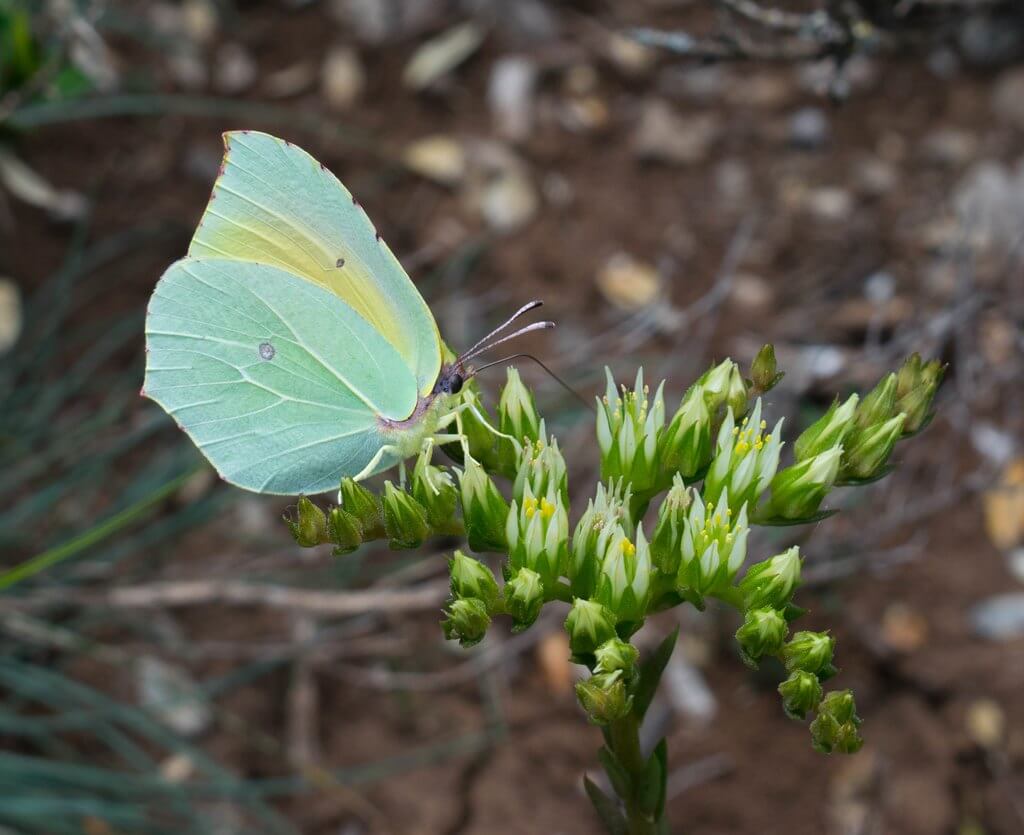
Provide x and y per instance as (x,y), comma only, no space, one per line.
(289,343)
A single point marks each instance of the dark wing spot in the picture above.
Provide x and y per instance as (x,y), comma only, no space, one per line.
(340,263)
(266,351)
(378,236)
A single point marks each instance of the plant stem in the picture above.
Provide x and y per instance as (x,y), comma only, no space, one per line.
(624,740)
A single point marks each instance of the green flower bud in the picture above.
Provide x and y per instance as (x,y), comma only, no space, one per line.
(524,596)
(615,654)
(471,578)
(542,467)
(480,438)
(762,633)
(764,373)
(828,431)
(627,433)
(798,491)
(667,541)
(364,505)
(745,460)
(879,405)
(537,532)
(607,512)
(684,447)
(624,579)
(405,519)
(467,620)
(835,729)
(517,411)
(800,693)
(714,546)
(916,384)
(589,625)
(868,449)
(484,509)
(309,527)
(720,386)
(810,652)
(434,489)
(604,697)
(770,584)
(345,531)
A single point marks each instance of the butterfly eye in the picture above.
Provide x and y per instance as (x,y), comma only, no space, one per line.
(455,384)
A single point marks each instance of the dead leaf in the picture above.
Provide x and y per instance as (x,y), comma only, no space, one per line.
(986,723)
(28,186)
(553,657)
(10,314)
(903,628)
(1004,507)
(439,158)
(440,55)
(629,284)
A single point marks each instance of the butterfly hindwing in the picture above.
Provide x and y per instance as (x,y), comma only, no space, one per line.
(279,382)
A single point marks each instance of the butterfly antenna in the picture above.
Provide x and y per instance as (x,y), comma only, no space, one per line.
(476,351)
(526,308)
(551,373)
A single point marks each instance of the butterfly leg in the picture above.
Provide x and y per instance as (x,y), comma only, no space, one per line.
(371,467)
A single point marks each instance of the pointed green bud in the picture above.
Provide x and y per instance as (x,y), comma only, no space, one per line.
(746,458)
(607,512)
(345,531)
(868,449)
(828,431)
(624,579)
(471,578)
(879,404)
(405,519)
(524,596)
(736,396)
(770,584)
(628,425)
(364,505)
(537,533)
(798,491)
(604,697)
(467,620)
(800,693)
(762,633)
(916,385)
(714,547)
(810,652)
(835,729)
(309,525)
(517,410)
(715,383)
(684,447)
(542,467)
(480,439)
(667,541)
(434,489)
(764,373)
(484,509)
(616,654)
(589,625)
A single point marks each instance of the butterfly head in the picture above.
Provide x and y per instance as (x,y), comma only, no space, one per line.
(451,380)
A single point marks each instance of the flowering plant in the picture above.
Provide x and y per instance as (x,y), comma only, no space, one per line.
(717,470)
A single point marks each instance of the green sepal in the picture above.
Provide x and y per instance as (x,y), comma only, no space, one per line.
(650,674)
(607,809)
(783,522)
(871,479)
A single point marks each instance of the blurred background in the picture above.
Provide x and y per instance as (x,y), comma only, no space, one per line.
(680,180)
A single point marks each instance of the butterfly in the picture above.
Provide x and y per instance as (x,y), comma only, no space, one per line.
(289,343)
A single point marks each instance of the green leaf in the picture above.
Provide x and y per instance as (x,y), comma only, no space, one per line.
(661,752)
(650,674)
(606,808)
(651,793)
(618,775)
